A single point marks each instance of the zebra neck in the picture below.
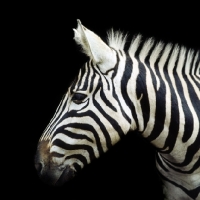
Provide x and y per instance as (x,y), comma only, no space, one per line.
(164,79)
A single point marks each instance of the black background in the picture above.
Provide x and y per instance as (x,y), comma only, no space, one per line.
(45,59)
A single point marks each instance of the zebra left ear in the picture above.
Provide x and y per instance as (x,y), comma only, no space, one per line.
(95,48)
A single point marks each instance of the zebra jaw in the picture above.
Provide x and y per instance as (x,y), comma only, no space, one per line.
(48,171)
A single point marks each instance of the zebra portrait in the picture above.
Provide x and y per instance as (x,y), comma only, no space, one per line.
(153,88)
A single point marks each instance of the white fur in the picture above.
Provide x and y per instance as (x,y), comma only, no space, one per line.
(116,39)
(101,54)
(95,48)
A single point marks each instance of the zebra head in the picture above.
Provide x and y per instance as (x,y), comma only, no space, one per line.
(94,113)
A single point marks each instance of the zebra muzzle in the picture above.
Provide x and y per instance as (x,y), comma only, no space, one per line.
(55,176)
(49,172)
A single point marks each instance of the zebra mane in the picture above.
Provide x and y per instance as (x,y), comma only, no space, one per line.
(117,40)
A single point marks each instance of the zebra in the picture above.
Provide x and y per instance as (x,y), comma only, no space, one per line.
(152,88)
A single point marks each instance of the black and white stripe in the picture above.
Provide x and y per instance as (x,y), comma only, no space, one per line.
(153,88)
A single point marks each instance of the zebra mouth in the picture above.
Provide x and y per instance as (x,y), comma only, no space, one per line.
(67,174)
(55,176)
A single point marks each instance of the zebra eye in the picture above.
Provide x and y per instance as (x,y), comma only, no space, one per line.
(78,98)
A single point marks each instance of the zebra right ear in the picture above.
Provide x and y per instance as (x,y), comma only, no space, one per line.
(95,48)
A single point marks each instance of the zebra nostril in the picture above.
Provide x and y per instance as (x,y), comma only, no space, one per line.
(38,167)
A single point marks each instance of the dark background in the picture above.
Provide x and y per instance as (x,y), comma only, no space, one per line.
(44,61)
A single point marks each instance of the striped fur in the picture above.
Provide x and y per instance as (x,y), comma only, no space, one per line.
(153,88)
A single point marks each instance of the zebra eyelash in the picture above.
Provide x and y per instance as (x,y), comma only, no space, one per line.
(79,98)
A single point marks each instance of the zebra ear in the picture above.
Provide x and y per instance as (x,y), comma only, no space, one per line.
(95,48)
